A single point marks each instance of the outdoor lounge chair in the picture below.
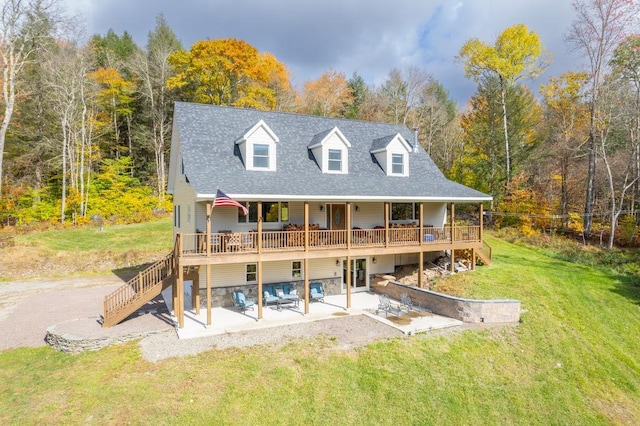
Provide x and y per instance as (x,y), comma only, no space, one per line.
(239,301)
(316,292)
(387,307)
(269,296)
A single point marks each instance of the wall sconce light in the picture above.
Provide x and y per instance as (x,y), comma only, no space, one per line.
(321,207)
(337,262)
(357,208)
(374,260)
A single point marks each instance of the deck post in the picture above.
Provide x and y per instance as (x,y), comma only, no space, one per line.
(421,268)
(386,224)
(473,259)
(208,294)
(348,277)
(180,307)
(306,285)
(453,261)
(259,287)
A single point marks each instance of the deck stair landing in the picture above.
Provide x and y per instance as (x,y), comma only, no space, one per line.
(139,290)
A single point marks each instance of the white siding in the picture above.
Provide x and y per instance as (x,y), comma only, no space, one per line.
(368,216)
(184,197)
(435,214)
(396,147)
(235,273)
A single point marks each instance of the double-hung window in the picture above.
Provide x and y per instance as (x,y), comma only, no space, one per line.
(397,164)
(335,160)
(251,273)
(261,156)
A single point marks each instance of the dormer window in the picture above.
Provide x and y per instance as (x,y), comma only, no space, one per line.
(397,164)
(335,160)
(392,154)
(258,148)
(261,156)
(331,151)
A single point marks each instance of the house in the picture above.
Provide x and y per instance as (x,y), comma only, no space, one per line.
(328,200)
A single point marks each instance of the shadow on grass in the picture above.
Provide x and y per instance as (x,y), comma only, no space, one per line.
(628,286)
(125,274)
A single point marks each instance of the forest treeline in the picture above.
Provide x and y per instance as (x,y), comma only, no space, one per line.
(87,123)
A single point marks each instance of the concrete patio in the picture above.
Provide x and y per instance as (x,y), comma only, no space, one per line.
(230,320)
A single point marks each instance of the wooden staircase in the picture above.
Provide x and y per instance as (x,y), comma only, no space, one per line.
(485,254)
(139,290)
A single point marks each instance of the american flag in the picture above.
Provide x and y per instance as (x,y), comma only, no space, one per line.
(223,201)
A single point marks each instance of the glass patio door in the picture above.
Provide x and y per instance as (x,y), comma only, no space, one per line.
(359,275)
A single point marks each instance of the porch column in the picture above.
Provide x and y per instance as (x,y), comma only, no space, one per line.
(180,306)
(453,221)
(208,237)
(306,285)
(421,219)
(386,224)
(259,289)
(421,268)
(208,294)
(259,231)
(348,281)
(348,226)
(306,228)
(481,221)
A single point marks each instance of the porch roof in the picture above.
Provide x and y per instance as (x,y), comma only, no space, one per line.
(213,161)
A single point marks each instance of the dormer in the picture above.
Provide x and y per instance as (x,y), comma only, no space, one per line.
(258,147)
(392,153)
(331,151)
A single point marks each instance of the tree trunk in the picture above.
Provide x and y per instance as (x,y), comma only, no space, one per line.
(591,175)
(506,133)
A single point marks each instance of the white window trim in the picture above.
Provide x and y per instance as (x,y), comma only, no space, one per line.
(280,221)
(268,156)
(329,160)
(402,164)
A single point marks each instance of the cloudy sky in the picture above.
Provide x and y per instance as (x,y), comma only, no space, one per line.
(363,36)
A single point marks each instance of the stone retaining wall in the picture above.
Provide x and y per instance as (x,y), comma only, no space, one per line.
(71,344)
(222,296)
(467,310)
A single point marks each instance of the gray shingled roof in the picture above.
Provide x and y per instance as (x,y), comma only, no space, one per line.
(212,160)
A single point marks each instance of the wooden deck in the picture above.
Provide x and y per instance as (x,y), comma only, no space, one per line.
(195,248)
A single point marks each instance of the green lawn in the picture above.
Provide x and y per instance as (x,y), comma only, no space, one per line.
(574,359)
(156,235)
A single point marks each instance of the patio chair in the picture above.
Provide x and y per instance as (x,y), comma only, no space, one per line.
(239,301)
(385,305)
(316,292)
(269,296)
(409,304)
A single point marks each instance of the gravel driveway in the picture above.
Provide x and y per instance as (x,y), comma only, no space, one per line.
(28,308)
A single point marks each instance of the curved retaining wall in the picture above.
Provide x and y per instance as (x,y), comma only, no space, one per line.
(466,310)
(72,344)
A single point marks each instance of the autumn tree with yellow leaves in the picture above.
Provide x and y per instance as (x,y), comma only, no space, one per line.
(228,72)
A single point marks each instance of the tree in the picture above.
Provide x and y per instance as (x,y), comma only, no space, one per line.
(626,65)
(600,25)
(327,96)
(402,93)
(516,54)
(153,71)
(224,72)
(567,118)
(19,40)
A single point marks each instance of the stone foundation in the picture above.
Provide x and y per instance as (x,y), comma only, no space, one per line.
(466,310)
(222,296)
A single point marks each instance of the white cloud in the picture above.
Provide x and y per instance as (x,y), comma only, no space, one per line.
(311,37)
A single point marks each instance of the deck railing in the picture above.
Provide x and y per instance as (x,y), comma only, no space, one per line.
(247,242)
